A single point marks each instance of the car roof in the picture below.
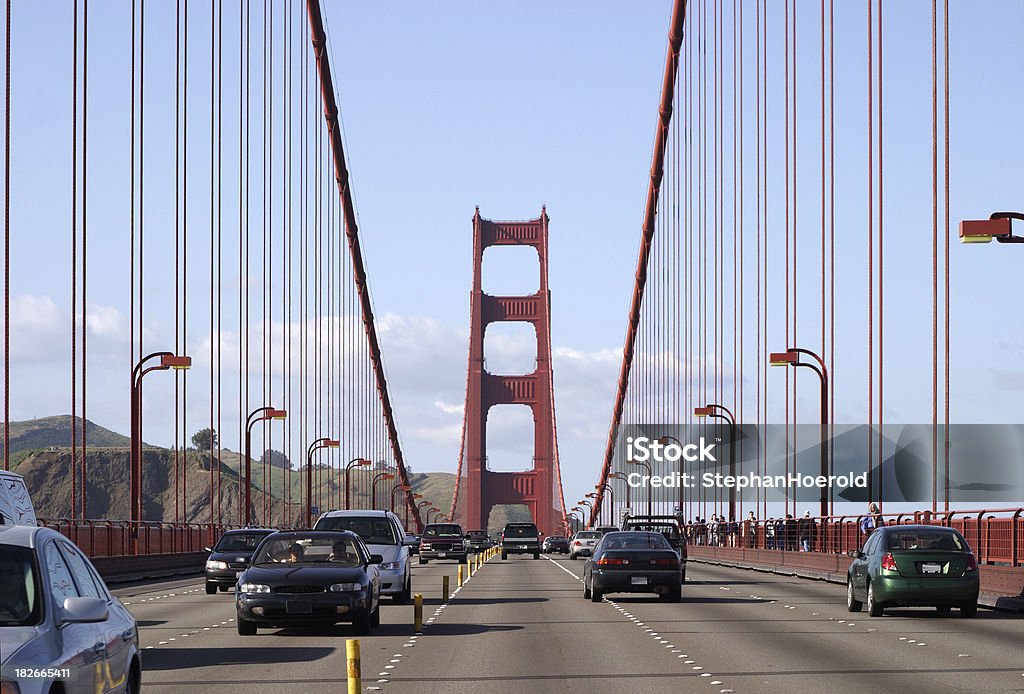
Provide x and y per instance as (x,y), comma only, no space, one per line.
(26,535)
(917,526)
(357,512)
(236,531)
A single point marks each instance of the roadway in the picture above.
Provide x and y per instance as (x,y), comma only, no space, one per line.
(523,626)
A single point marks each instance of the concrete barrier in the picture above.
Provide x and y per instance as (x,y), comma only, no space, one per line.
(136,568)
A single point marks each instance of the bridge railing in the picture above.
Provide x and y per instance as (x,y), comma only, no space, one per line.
(117,538)
(995,535)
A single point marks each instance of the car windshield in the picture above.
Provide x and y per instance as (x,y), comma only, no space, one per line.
(925,540)
(588,535)
(477,534)
(19,595)
(442,531)
(374,530)
(521,531)
(650,540)
(239,542)
(307,548)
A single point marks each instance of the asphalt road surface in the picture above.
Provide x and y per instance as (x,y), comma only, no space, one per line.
(522,625)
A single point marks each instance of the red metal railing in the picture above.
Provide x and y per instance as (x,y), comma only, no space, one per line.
(995,535)
(107,538)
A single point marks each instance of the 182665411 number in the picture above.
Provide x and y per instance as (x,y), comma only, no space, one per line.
(34,673)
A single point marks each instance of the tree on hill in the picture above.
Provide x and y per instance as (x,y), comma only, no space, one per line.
(201,439)
(276,458)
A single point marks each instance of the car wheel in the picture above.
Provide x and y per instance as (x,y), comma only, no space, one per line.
(405,595)
(375,617)
(683,577)
(536,555)
(852,603)
(504,556)
(224,589)
(874,609)
(211,588)
(595,594)
(361,624)
(134,683)
(943,609)
(572,556)
(246,628)
(422,560)
(968,609)
(673,595)
(586,591)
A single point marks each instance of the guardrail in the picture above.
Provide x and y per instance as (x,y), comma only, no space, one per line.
(995,535)
(114,538)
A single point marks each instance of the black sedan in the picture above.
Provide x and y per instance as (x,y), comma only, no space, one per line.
(307,578)
(556,544)
(230,557)
(633,562)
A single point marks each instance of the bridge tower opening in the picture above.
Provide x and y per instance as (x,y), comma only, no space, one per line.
(481,489)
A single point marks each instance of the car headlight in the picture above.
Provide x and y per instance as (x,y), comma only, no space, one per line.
(391,566)
(345,587)
(7,687)
(216,565)
(253,588)
(424,545)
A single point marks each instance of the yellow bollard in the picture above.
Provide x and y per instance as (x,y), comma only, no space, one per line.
(418,612)
(444,588)
(355,677)
(460,575)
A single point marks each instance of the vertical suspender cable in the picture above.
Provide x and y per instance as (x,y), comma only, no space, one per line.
(85,226)
(945,116)
(881,275)
(7,239)
(74,258)
(935,258)
(178,501)
(871,257)
(213,210)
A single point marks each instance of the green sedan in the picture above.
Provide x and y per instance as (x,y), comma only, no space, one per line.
(913,565)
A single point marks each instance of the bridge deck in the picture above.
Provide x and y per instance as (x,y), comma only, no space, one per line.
(523,626)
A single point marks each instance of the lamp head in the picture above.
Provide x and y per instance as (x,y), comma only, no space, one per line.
(701,411)
(983,230)
(783,358)
(277,414)
(173,361)
(332,443)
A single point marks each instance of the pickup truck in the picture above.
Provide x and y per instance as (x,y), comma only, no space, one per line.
(477,540)
(667,526)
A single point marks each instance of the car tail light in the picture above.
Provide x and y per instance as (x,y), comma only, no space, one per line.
(888,563)
(612,561)
(577,542)
(664,562)
(972,563)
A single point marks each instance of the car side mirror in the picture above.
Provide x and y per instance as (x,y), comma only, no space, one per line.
(83,611)
(208,549)
(410,541)
(376,559)
(855,554)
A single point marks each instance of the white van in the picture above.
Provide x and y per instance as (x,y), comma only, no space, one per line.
(15,503)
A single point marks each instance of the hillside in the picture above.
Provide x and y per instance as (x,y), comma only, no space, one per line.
(44,459)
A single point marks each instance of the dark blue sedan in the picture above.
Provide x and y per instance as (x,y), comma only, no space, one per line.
(309,578)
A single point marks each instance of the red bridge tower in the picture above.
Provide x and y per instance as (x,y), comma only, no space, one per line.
(484,489)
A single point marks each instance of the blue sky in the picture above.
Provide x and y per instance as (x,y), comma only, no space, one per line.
(510,106)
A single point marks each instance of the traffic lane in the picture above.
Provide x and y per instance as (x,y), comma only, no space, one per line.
(530,630)
(762,632)
(190,643)
(991,640)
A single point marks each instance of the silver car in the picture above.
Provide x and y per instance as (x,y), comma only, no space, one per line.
(583,543)
(59,625)
(383,534)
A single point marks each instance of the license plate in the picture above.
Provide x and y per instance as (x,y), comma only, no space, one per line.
(931,568)
(298,607)
(442,554)
(638,580)
(520,546)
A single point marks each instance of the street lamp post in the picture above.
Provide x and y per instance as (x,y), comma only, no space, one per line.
(623,477)
(649,475)
(611,501)
(355,462)
(323,442)
(396,488)
(600,507)
(373,486)
(258,415)
(716,411)
(792,357)
(168,360)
